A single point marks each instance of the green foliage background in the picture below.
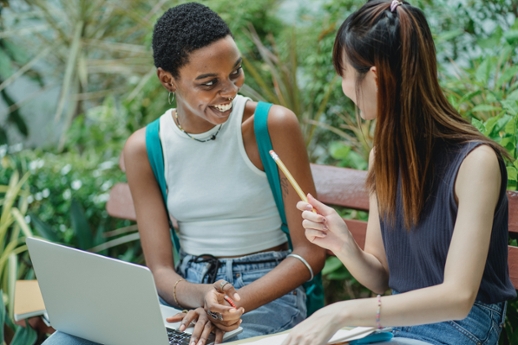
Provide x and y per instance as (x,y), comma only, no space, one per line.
(98,52)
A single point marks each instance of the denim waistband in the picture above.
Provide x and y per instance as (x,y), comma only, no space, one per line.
(210,266)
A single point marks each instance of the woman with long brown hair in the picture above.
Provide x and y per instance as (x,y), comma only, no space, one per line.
(437,229)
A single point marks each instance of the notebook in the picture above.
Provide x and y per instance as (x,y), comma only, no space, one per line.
(101,299)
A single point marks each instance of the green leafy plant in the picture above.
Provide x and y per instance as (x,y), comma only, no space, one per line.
(13,231)
(276,78)
(92,48)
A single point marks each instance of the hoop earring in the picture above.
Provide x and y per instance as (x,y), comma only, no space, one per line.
(169,98)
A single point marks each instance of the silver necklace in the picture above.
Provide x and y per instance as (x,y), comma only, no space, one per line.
(212,137)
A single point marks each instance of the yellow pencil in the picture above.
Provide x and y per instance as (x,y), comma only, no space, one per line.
(288,175)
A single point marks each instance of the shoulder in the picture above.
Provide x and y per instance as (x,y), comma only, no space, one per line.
(280,116)
(482,158)
(281,120)
(480,170)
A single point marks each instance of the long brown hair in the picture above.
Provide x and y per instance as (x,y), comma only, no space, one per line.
(413,115)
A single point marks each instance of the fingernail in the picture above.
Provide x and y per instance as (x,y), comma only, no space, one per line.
(182,327)
(236,297)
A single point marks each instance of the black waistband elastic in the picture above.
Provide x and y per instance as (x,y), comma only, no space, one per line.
(215,264)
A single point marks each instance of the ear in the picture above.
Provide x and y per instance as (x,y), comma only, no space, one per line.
(374,71)
(166,79)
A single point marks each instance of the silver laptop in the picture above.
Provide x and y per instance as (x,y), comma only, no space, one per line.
(102,299)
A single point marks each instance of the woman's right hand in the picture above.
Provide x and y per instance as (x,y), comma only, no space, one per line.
(217,304)
(324,228)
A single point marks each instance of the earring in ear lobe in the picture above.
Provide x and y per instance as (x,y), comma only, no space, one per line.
(170,98)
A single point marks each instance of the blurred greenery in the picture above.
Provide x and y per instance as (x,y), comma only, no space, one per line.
(97,53)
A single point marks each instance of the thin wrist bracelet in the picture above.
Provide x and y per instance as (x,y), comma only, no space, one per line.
(174,293)
(378,313)
(305,263)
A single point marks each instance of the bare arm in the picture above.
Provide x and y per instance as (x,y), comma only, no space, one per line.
(288,143)
(155,235)
(328,230)
(477,188)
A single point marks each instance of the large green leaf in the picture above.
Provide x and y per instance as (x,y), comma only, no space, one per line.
(478,125)
(507,76)
(511,106)
(485,108)
(43,229)
(512,173)
(483,71)
(2,315)
(24,335)
(332,264)
(80,226)
(511,36)
(70,69)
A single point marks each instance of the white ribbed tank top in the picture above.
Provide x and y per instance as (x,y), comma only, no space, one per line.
(222,202)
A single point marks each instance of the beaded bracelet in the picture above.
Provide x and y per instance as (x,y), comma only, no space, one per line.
(378,313)
(174,292)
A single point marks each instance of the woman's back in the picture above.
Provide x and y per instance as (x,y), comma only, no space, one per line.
(417,257)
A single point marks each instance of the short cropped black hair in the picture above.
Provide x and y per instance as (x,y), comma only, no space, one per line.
(183,29)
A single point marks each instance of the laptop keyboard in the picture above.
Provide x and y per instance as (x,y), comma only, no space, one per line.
(182,338)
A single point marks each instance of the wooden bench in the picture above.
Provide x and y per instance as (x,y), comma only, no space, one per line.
(337,187)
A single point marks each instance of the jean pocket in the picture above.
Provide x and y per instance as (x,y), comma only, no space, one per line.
(481,325)
(293,305)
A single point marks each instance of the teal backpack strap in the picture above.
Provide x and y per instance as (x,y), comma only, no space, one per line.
(314,288)
(270,167)
(156,160)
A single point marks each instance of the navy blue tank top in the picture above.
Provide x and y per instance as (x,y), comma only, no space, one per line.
(416,258)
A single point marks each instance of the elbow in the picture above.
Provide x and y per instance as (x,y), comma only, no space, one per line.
(463,304)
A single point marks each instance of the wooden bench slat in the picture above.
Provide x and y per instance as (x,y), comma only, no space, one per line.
(513,211)
(335,187)
(358,229)
(513,265)
(120,202)
(341,186)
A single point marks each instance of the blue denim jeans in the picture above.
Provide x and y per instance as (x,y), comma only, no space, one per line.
(482,326)
(276,316)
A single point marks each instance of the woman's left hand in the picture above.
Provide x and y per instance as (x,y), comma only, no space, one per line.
(219,303)
(202,327)
(318,328)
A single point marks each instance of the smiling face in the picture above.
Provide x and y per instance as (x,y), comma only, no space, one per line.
(206,84)
(365,96)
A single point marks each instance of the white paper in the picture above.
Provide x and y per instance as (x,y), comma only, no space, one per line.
(339,337)
(350,334)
